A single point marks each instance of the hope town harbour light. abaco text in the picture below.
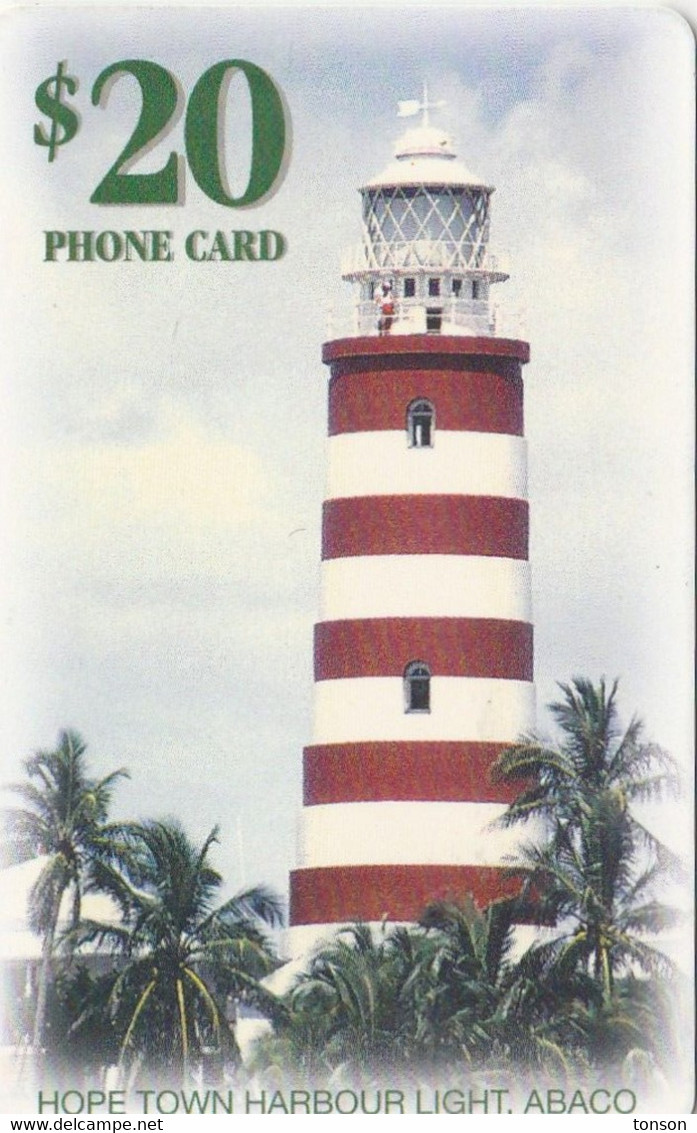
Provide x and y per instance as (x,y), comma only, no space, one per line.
(158,246)
(345,1101)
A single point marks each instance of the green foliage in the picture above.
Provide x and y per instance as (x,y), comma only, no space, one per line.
(183,960)
(80,1038)
(347,1009)
(64,820)
(598,867)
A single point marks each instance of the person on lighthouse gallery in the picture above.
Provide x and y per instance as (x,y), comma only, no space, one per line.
(385,306)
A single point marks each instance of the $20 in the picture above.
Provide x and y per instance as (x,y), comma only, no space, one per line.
(202,132)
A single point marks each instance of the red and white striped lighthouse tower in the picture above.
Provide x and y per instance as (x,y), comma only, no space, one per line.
(424,652)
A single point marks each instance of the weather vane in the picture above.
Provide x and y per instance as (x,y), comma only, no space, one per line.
(412,106)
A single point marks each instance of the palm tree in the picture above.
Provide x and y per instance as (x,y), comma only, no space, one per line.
(472,1003)
(352,1011)
(425,998)
(460,990)
(599,867)
(342,1011)
(64,819)
(181,959)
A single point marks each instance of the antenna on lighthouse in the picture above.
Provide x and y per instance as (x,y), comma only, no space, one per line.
(411,106)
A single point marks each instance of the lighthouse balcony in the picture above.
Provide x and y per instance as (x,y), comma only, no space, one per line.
(446,316)
(473,258)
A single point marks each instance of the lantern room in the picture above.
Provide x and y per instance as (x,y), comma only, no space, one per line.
(426,236)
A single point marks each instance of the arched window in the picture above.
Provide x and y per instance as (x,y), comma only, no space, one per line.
(421,423)
(417,687)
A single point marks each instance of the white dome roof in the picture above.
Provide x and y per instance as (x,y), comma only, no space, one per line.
(424,155)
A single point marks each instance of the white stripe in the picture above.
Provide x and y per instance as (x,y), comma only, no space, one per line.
(462,708)
(449,586)
(302,941)
(406,833)
(459,463)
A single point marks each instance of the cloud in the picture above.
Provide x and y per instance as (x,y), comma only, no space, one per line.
(170,493)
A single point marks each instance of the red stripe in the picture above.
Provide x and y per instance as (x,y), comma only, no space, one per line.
(481,401)
(441,347)
(451,647)
(402,772)
(474,383)
(399,893)
(423,525)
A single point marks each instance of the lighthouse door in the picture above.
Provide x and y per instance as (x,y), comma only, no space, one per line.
(434,319)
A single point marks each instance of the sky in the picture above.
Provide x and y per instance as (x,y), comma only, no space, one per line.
(163,425)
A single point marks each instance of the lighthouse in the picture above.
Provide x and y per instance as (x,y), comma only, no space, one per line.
(423,654)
